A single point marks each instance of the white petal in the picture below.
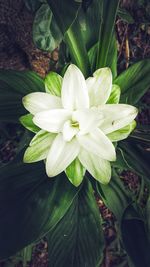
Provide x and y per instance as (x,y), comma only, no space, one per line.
(68,131)
(61,155)
(39,147)
(98,143)
(87,119)
(74,92)
(37,102)
(116,116)
(52,120)
(99,86)
(99,168)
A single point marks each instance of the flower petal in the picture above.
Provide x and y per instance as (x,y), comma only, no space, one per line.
(116,116)
(88,119)
(99,86)
(74,91)
(37,102)
(99,168)
(39,147)
(98,143)
(52,120)
(61,155)
(68,131)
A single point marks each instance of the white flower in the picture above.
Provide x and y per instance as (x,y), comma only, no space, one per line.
(77,125)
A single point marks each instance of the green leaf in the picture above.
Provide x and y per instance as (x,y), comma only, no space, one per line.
(122,133)
(77,240)
(46,34)
(142,134)
(105,38)
(87,18)
(64,12)
(115,196)
(13,86)
(111,61)
(135,238)
(136,156)
(148,217)
(115,95)
(31,204)
(53,83)
(77,49)
(33,5)
(39,147)
(134,82)
(27,122)
(131,225)
(125,15)
(92,54)
(75,172)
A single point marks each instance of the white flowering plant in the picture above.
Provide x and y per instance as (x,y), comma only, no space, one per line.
(75,142)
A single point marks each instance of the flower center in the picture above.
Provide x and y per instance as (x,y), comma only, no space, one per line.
(70,129)
(74,124)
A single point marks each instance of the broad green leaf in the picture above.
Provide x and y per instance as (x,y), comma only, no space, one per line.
(27,122)
(53,83)
(13,86)
(39,147)
(75,172)
(92,15)
(134,81)
(115,95)
(136,156)
(142,134)
(31,204)
(92,54)
(77,240)
(105,38)
(46,34)
(112,55)
(122,133)
(121,163)
(33,5)
(64,12)
(115,196)
(77,49)
(148,217)
(131,225)
(134,237)
(125,15)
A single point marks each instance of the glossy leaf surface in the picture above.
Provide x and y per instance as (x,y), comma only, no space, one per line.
(77,240)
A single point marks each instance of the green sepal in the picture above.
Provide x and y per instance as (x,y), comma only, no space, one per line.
(75,172)
(115,95)
(53,83)
(122,133)
(27,122)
